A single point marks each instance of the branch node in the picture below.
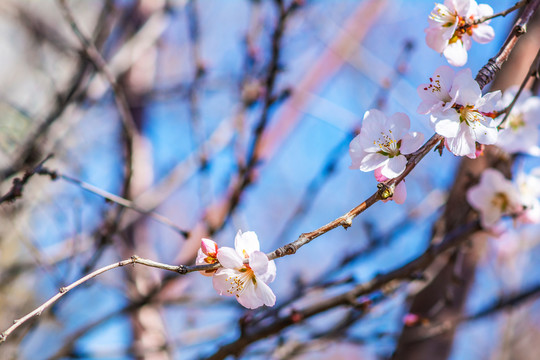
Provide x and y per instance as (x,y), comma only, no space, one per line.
(62,290)
(182,270)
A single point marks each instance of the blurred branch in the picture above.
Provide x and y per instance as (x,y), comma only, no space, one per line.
(18,183)
(113,198)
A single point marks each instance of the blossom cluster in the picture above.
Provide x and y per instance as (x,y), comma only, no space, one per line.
(245,272)
(453,24)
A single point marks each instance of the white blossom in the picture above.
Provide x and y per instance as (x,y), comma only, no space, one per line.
(247,282)
(452,25)
(520,131)
(383,142)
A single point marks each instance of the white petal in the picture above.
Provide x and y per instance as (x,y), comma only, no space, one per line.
(456,54)
(411,142)
(399,124)
(489,102)
(484,10)
(229,258)
(490,217)
(394,167)
(246,243)
(485,135)
(465,89)
(435,39)
(483,34)
(372,161)
(200,258)
(270,274)
(258,262)
(446,123)
(265,293)
(250,298)
(222,281)
(463,144)
(356,152)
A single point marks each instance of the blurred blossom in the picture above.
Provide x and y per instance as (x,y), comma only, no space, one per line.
(493,197)
(520,131)
(248,282)
(459,112)
(451,26)
(529,188)
(383,142)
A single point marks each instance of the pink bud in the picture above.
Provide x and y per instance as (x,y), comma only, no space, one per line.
(379,176)
(209,247)
(411,319)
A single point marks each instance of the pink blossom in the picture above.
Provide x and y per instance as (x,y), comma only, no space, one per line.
(451,26)
(383,143)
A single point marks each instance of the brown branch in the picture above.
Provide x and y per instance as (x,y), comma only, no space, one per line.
(487,73)
(64,290)
(18,183)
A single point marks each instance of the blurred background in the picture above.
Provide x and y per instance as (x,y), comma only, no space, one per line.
(227,115)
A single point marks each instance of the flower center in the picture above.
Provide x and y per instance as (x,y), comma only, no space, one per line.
(388,145)
(470,115)
(237,283)
(515,121)
(443,15)
(436,89)
(500,201)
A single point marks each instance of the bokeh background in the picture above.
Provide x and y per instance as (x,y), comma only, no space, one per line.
(196,76)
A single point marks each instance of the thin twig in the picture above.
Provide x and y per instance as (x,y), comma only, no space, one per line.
(113,198)
(533,70)
(64,290)
(502,13)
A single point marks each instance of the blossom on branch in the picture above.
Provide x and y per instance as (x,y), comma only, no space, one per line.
(383,143)
(400,191)
(520,130)
(206,255)
(451,26)
(458,111)
(493,197)
(248,282)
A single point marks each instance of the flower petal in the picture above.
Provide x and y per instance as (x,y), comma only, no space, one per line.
(246,243)
(258,262)
(400,193)
(229,258)
(250,298)
(222,281)
(372,161)
(394,167)
(483,33)
(411,142)
(456,54)
(265,294)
